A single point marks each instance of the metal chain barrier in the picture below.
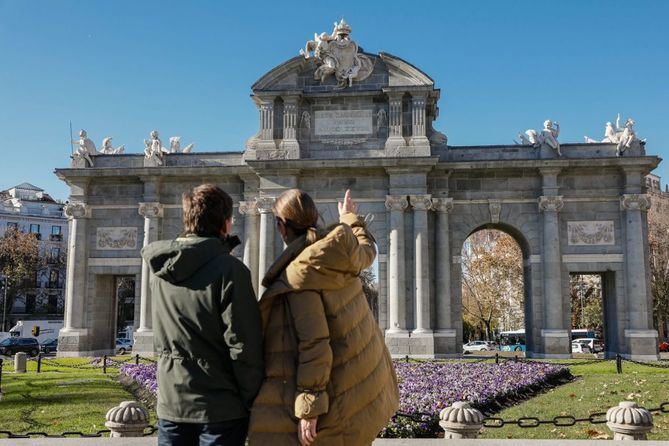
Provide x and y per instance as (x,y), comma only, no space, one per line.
(70,434)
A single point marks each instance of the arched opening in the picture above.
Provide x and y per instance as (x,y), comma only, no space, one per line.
(586,292)
(495,290)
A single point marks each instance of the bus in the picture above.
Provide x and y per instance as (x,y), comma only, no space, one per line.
(512,341)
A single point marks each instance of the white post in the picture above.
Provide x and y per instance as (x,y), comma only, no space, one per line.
(249,210)
(396,311)
(421,204)
(266,242)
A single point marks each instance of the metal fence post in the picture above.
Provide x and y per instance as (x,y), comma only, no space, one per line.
(496,358)
(619,363)
(104,364)
(137,359)
(1,361)
(39,362)
(515,358)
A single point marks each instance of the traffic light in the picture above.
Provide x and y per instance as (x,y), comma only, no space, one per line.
(35,330)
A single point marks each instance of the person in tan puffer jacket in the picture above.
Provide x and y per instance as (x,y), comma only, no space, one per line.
(329,377)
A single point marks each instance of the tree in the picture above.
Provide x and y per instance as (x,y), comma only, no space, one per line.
(658,242)
(371,290)
(586,301)
(492,281)
(20,261)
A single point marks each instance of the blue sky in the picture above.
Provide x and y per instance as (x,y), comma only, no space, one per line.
(122,68)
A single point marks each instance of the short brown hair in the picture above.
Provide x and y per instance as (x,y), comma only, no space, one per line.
(205,210)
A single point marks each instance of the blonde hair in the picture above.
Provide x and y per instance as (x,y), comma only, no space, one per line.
(298,211)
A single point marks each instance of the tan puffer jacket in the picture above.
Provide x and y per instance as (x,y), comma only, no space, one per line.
(325,355)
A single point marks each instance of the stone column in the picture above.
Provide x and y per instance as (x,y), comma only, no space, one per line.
(418,125)
(249,210)
(641,337)
(266,239)
(266,107)
(289,142)
(556,336)
(445,332)
(72,338)
(396,305)
(421,204)
(395,141)
(77,267)
(143,343)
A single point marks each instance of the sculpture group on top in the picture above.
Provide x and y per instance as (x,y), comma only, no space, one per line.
(548,137)
(336,54)
(87,148)
(153,148)
(155,151)
(625,137)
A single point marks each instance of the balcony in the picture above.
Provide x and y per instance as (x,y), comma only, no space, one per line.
(56,237)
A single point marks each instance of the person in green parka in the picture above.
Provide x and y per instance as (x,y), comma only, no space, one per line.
(207,327)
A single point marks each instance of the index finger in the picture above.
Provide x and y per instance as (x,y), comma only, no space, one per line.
(347,196)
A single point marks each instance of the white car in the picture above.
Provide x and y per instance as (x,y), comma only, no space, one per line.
(580,347)
(477,346)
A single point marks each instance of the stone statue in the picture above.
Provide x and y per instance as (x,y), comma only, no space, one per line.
(153,148)
(628,138)
(548,137)
(107,148)
(175,145)
(381,118)
(336,54)
(86,148)
(625,137)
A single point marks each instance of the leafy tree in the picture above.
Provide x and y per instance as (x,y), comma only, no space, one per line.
(586,301)
(492,281)
(371,290)
(20,261)
(658,241)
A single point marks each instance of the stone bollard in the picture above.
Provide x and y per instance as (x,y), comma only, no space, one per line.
(461,421)
(20,362)
(629,421)
(128,419)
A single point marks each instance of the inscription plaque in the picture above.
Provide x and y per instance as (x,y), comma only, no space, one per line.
(116,238)
(343,122)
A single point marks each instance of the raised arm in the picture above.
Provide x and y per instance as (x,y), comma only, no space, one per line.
(363,250)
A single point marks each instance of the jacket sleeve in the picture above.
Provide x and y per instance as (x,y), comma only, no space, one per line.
(363,251)
(314,353)
(244,335)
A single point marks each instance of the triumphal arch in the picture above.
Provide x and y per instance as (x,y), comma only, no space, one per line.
(335,118)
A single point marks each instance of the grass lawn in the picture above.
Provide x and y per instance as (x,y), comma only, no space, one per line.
(596,388)
(59,399)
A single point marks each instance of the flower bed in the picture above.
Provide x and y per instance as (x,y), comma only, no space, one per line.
(427,387)
(143,374)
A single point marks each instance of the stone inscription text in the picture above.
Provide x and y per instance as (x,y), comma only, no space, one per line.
(343,122)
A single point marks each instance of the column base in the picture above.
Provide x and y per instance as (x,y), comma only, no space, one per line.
(424,344)
(641,345)
(420,146)
(395,146)
(73,342)
(291,147)
(556,344)
(143,343)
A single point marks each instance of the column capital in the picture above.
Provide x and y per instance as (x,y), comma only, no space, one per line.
(265,204)
(77,209)
(421,202)
(635,202)
(150,209)
(442,204)
(396,203)
(551,203)
(249,207)
(548,171)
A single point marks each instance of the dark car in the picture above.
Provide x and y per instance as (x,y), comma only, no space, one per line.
(49,346)
(11,346)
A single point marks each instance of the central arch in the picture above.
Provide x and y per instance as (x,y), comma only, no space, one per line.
(528,301)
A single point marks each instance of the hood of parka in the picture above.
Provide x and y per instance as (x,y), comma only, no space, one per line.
(175,261)
(324,265)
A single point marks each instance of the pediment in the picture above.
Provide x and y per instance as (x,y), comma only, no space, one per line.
(401,73)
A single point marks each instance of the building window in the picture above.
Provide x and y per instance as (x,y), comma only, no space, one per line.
(54,255)
(54,279)
(12,225)
(56,230)
(30,303)
(34,228)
